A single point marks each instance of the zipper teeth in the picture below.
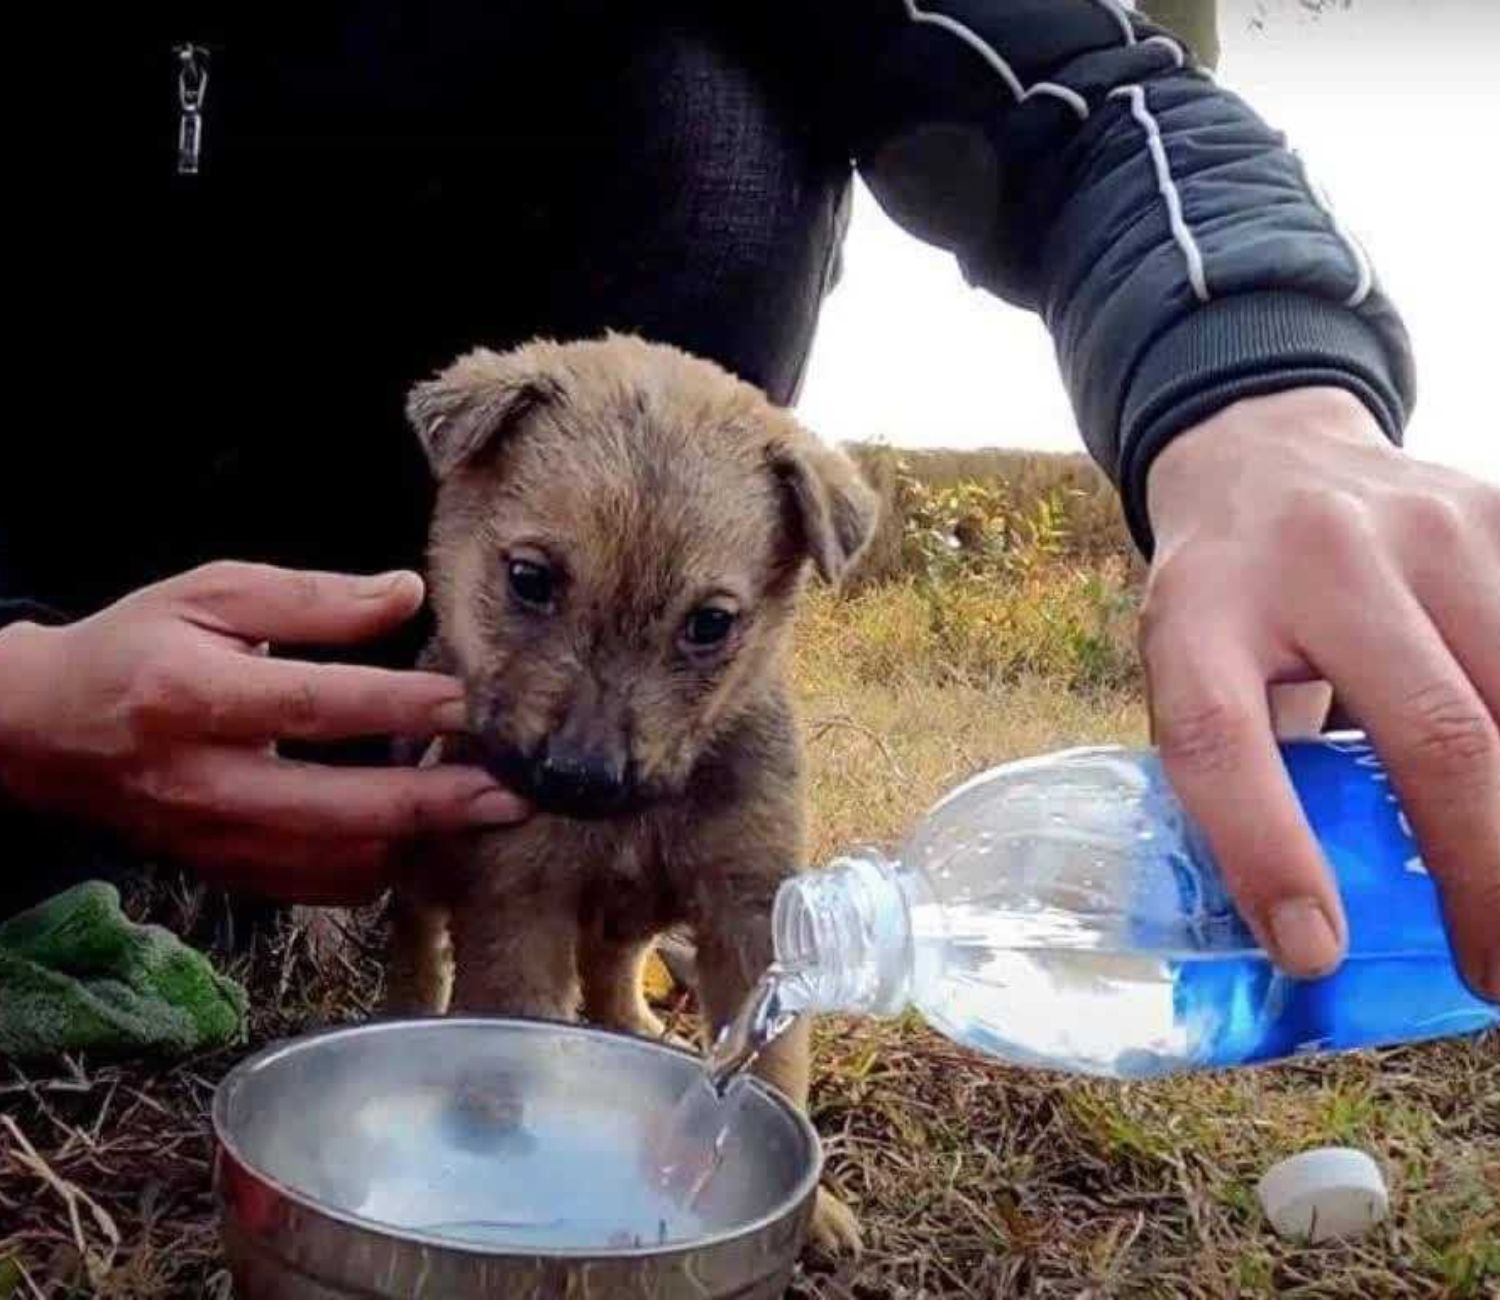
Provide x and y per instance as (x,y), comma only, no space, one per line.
(192,77)
(192,91)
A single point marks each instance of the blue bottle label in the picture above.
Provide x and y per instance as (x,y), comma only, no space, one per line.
(1399,982)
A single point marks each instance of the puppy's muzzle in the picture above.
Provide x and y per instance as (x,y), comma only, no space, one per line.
(578,771)
(575,781)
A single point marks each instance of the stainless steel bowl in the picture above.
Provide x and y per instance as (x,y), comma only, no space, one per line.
(458,1158)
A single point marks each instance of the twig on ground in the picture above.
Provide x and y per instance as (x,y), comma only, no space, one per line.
(97,1265)
(842,722)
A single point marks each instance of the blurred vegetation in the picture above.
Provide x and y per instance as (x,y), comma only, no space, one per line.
(988,567)
(1195,22)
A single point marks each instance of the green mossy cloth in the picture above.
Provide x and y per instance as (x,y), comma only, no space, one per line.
(77,975)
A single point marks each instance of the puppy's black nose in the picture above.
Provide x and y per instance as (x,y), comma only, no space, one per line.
(577,781)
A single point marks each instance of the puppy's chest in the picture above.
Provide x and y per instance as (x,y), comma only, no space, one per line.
(617,873)
(625,891)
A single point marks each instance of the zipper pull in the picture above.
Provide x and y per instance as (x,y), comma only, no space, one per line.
(192,87)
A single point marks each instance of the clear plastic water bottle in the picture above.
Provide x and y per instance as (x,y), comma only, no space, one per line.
(1064,913)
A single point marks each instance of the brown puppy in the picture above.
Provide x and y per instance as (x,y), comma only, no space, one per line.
(620,537)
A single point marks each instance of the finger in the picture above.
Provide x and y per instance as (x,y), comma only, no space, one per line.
(1213,729)
(1299,710)
(284,699)
(1459,585)
(259,602)
(298,798)
(292,869)
(1439,741)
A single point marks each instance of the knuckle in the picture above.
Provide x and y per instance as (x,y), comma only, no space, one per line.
(1174,586)
(1437,519)
(1153,628)
(413,813)
(304,589)
(159,695)
(1451,733)
(299,707)
(1170,577)
(176,788)
(1204,738)
(1331,525)
(218,578)
(1487,506)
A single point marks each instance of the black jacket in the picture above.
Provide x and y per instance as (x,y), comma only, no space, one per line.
(1067,153)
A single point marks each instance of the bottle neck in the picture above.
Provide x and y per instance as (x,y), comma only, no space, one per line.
(844,935)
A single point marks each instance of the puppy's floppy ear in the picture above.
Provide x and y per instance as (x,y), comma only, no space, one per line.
(475,401)
(832,510)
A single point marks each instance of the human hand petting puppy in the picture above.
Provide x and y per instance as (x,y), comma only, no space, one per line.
(1295,544)
(160,714)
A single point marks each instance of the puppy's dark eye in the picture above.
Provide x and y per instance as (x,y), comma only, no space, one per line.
(533,584)
(707,627)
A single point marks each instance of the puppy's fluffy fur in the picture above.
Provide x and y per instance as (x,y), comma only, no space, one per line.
(620,537)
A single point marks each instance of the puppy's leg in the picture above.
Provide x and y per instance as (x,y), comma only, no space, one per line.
(733,953)
(613,973)
(419,967)
(516,957)
(734,949)
(419,952)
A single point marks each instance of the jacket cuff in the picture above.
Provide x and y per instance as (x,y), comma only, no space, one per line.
(28,611)
(1235,348)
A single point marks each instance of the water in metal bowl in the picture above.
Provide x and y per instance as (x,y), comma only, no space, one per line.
(468,1157)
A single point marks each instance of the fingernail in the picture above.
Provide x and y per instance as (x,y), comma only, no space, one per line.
(387,584)
(496,808)
(1306,943)
(450,716)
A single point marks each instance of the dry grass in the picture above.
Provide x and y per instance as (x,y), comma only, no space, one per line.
(975,1180)
(972,1180)
(983,1182)
(885,738)
(105,1179)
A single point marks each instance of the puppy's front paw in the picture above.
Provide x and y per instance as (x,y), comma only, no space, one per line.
(642,1022)
(834,1229)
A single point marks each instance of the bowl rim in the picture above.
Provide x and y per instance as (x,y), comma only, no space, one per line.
(225,1142)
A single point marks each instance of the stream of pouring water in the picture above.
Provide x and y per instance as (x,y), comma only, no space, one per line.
(696,1134)
(766,1013)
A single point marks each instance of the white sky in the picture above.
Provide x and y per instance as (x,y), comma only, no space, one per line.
(1395,105)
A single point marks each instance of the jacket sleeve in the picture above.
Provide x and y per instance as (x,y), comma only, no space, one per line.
(26,611)
(1077,163)
(15,605)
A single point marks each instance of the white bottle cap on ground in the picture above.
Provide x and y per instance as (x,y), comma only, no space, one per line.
(1323,1194)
